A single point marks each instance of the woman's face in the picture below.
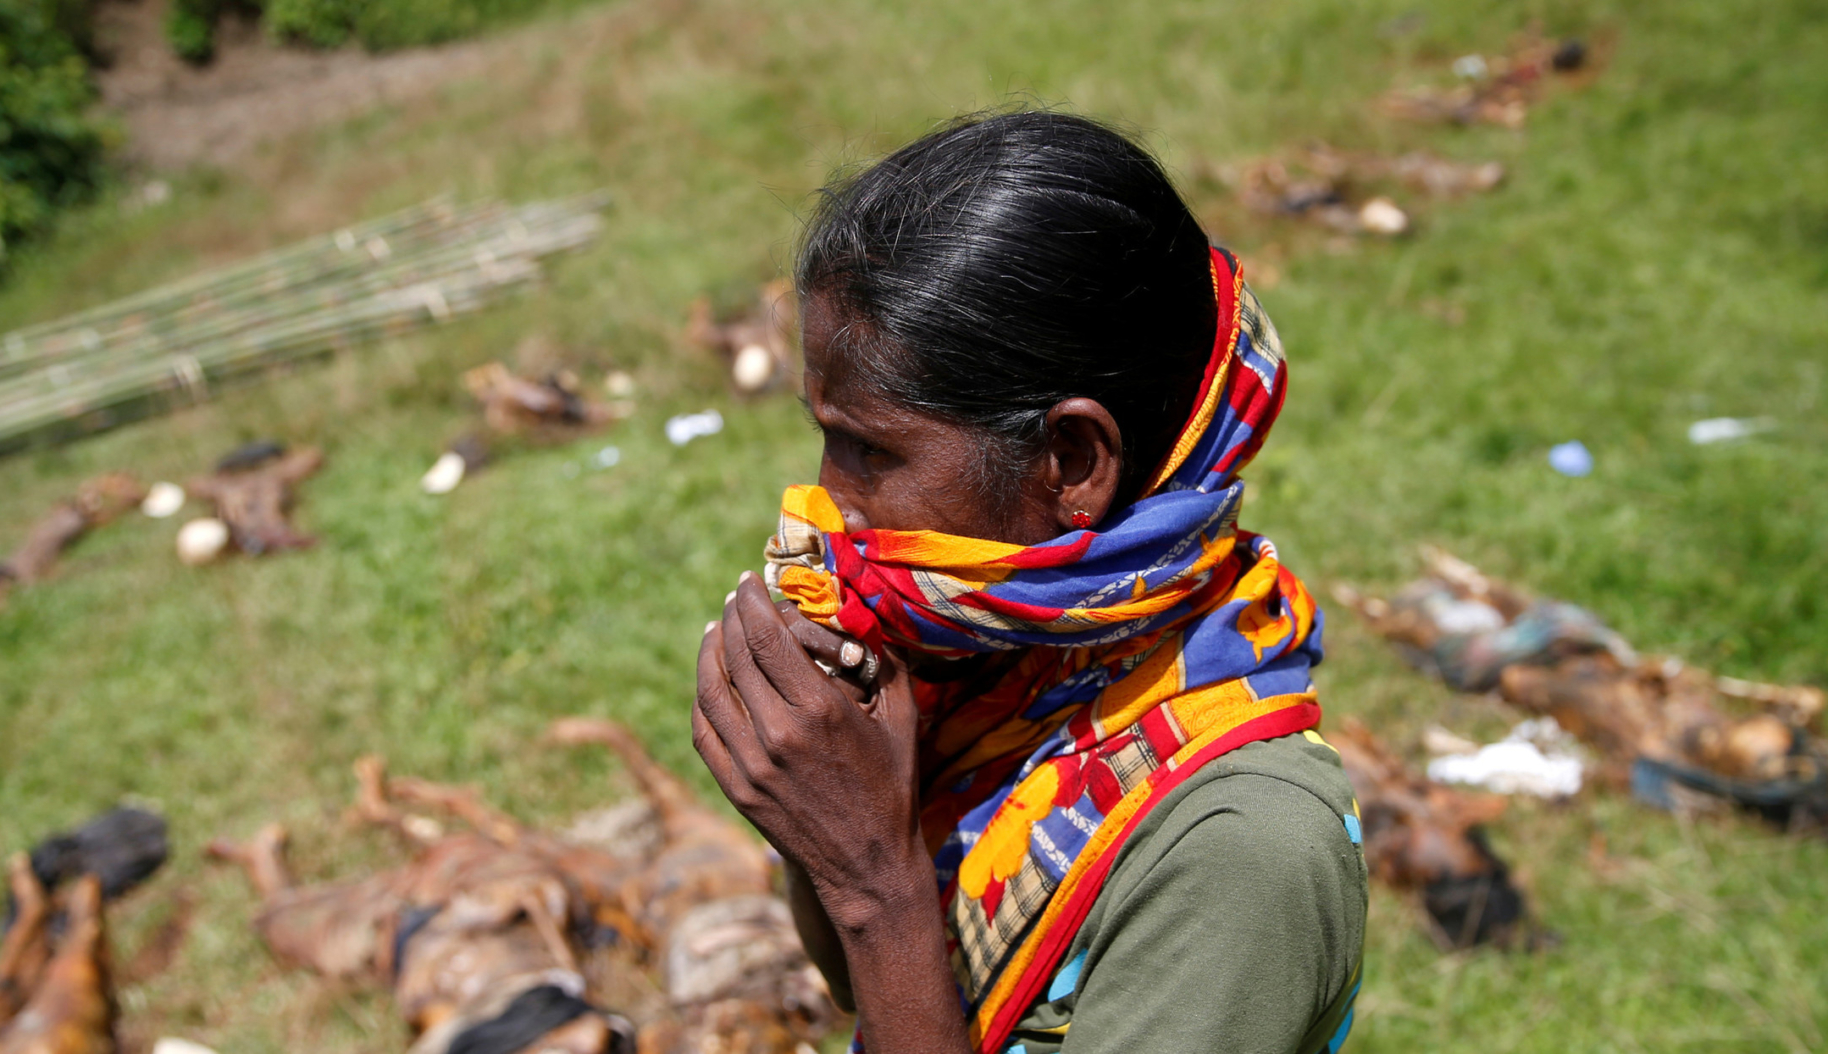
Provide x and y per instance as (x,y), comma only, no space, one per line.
(891,468)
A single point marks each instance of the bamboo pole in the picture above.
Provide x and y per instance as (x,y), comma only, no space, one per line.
(419,266)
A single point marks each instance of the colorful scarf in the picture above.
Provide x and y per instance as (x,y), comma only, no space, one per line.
(1132,655)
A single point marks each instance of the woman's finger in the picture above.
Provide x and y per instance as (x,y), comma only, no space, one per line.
(756,635)
(711,748)
(755,627)
(851,663)
(823,644)
(772,649)
(723,706)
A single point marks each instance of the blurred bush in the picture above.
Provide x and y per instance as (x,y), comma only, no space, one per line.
(51,149)
(376,24)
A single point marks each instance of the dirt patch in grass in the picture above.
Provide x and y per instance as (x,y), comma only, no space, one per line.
(256,91)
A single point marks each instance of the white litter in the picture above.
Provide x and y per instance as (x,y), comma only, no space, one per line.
(1537,758)
(619,384)
(753,369)
(608,457)
(1571,458)
(179,1046)
(444,475)
(1382,216)
(687,427)
(162,500)
(1727,429)
(1471,67)
(201,541)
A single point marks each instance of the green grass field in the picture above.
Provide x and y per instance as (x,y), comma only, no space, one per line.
(1658,254)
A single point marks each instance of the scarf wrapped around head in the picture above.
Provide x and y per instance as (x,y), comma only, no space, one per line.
(1137,652)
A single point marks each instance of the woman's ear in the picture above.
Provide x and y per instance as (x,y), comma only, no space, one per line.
(1083,462)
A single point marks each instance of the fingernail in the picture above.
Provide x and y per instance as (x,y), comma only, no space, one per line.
(851,654)
(745,576)
(709,626)
(731,595)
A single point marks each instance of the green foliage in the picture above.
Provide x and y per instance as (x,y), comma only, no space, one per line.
(404,23)
(318,23)
(51,151)
(190,27)
(378,25)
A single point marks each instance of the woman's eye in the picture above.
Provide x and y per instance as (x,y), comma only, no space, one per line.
(854,454)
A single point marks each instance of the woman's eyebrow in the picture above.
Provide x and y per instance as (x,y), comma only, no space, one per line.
(837,422)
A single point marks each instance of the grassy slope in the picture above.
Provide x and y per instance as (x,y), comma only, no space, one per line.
(1657,256)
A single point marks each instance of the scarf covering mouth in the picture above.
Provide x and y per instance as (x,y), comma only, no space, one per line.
(1134,653)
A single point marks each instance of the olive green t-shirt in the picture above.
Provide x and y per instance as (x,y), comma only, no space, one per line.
(1233,920)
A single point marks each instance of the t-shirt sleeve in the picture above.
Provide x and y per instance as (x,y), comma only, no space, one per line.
(1236,931)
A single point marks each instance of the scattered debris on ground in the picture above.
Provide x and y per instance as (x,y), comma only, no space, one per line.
(163,500)
(551,410)
(1423,836)
(758,343)
(1660,727)
(1492,90)
(56,996)
(173,343)
(1537,758)
(506,930)
(252,489)
(1350,192)
(683,428)
(1728,429)
(97,502)
(1571,458)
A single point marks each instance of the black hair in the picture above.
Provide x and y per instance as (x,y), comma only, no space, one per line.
(531,1015)
(1001,264)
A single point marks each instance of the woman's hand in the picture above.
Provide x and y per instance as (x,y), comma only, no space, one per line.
(828,775)
(825,773)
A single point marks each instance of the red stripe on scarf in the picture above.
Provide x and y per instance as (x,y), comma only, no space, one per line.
(1041,969)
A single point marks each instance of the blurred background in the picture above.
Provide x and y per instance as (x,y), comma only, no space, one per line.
(1614,243)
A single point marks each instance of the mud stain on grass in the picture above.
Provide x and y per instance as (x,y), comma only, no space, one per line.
(256,91)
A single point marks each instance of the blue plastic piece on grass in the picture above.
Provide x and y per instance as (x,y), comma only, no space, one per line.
(1571,458)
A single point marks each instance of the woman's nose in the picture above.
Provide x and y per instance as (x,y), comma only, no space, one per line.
(855,518)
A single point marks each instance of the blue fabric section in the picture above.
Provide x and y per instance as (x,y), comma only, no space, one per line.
(1067,979)
(1345,1027)
(1354,831)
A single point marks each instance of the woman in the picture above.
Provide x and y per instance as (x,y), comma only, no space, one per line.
(1063,791)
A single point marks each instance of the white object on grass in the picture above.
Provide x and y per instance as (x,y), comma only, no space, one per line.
(1382,216)
(1471,67)
(168,1045)
(608,457)
(619,384)
(444,475)
(201,541)
(1537,758)
(162,500)
(753,369)
(1571,458)
(684,428)
(1726,429)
